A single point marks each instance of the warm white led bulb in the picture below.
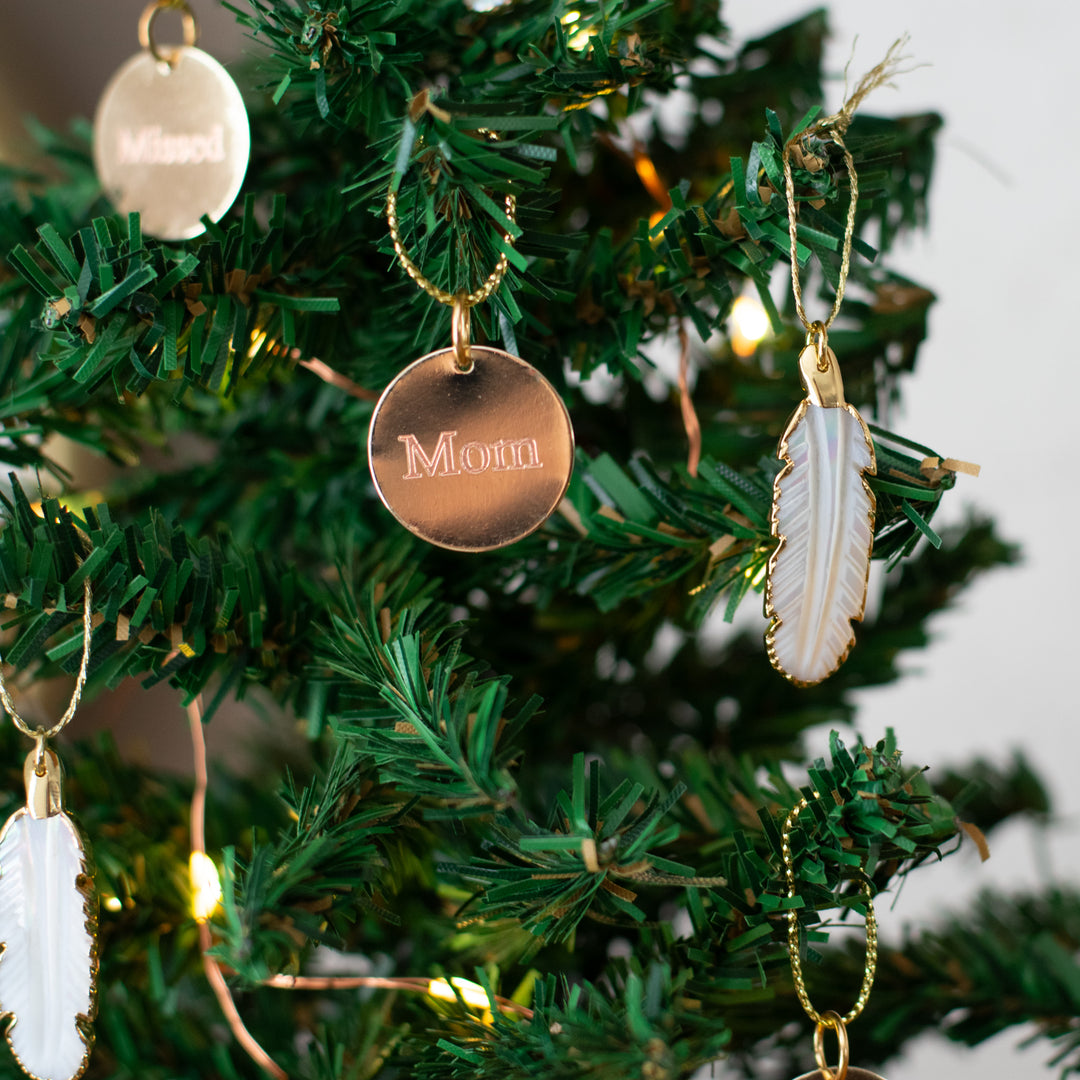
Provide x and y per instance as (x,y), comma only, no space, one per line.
(749,325)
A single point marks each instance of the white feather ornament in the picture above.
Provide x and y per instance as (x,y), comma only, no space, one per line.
(823,517)
(48,967)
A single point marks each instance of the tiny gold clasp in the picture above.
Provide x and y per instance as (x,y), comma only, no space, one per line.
(818,336)
(146,28)
(41,774)
(461,325)
(836,1022)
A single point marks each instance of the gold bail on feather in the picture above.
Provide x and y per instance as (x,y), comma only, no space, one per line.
(819,370)
(41,774)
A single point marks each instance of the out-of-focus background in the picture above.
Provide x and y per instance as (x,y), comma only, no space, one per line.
(998,383)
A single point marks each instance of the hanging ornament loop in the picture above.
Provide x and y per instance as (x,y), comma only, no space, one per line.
(834,128)
(870,968)
(465,299)
(836,1023)
(146,28)
(818,336)
(460,328)
(40,734)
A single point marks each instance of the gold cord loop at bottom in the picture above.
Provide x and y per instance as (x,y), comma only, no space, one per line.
(870,968)
(146,28)
(836,1023)
(460,328)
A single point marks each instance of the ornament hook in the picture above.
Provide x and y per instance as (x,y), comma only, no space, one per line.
(44,797)
(461,325)
(146,27)
(836,1022)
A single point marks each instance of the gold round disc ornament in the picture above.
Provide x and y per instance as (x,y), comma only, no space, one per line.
(471,459)
(171,137)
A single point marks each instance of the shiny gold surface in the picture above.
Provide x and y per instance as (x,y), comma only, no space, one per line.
(474,460)
(42,777)
(825,1020)
(146,27)
(851,1074)
(171,140)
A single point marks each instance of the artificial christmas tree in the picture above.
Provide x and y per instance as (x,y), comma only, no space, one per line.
(510,774)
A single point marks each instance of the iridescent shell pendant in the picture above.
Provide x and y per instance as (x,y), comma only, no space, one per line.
(48,924)
(823,517)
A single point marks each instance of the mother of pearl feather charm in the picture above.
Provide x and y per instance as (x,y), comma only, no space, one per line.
(48,919)
(823,517)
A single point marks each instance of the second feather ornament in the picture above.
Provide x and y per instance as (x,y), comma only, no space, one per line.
(823,509)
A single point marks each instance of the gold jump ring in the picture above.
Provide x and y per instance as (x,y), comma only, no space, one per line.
(146,27)
(836,1023)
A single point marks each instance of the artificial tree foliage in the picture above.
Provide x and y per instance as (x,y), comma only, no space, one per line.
(527,768)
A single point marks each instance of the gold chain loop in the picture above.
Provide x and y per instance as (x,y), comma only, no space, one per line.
(870,969)
(37,733)
(469,300)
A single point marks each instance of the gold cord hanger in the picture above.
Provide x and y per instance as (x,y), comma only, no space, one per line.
(834,127)
(827,1020)
(460,301)
(41,733)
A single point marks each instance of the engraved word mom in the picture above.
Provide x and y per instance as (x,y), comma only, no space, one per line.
(502,455)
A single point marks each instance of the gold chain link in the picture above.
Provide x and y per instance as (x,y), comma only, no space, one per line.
(80,681)
(870,969)
(467,300)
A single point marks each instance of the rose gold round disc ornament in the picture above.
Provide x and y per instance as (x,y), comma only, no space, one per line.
(171,135)
(471,459)
(470,448)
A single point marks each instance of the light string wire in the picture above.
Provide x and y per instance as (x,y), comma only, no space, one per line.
(38,732)
(215,974)
(828,1019)
(834,128)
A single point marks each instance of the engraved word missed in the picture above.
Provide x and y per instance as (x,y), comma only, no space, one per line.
(503,455)
(151,146)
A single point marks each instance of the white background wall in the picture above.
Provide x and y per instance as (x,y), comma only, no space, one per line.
(998,383)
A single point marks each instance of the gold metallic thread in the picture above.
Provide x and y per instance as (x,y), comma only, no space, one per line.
(834,127)
(40,734)
(450,299)
(828,1019)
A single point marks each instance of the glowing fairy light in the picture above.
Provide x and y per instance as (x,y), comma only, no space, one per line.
(457,989)
(258,339)
(748,325)
(113,903)
(205,886)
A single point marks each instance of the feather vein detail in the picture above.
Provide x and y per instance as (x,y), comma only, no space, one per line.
(48,967)
(823,516)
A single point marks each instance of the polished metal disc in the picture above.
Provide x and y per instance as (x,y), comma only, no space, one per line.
(471,460)
(171,140)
